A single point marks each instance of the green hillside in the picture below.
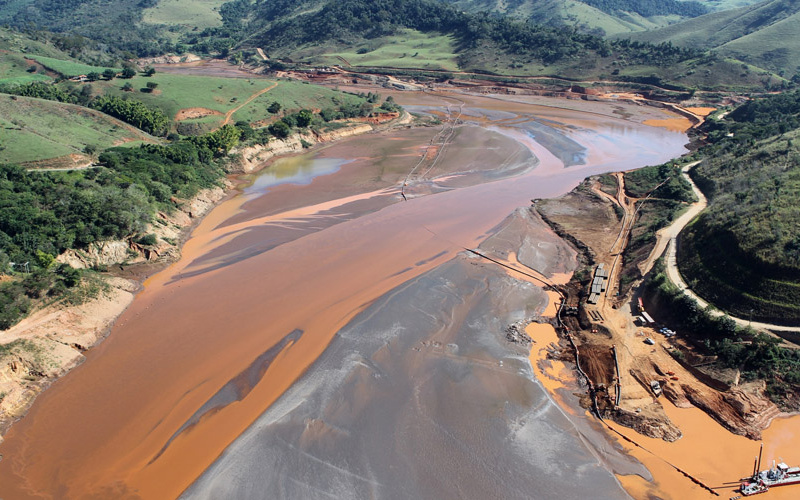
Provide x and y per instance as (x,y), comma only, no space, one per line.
(427,34)
(764,34)
(35,129)
(213,97)
(743,253)
(587,16)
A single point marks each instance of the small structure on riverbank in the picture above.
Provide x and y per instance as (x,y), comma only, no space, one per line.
(599,283)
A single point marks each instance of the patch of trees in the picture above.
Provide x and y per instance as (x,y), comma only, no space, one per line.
(151,120)
(648,8)
(51,212)
(640,183)
(48,280)
(40,90)
(54,211)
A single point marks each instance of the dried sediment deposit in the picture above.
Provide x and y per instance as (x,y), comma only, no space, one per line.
(192,113)
(261,290)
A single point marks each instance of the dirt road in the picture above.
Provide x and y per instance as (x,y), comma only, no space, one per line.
(250,99)
(670,234)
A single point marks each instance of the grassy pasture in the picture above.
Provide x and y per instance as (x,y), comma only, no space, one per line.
(13,69)
(293,95)
(35,129)
(68,68)
(189,13)
(177,92)
(409,49)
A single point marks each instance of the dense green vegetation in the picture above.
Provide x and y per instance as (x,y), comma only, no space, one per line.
(352,19)
(763,34)
(743,252)
(669,193)
(54,211)
(152,121)
(673,186)
(649,8)
(758,356)
(115,23)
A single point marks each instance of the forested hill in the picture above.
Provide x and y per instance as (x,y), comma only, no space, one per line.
(603,17)
(416,34)
(349,21)
(743,253)
(764,34)
(116,23)
(649,8)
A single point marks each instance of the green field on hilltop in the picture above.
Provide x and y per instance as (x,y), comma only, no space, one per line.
(35,129)
(188,13)
(177,92)
(69,68)
(408,49)
(14,69)
(293,96)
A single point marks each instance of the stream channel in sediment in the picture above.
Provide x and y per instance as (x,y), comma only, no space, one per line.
(320,337)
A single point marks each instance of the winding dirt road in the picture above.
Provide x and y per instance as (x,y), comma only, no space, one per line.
(668,237)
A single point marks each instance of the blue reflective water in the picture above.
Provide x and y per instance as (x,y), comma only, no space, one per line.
(294,170)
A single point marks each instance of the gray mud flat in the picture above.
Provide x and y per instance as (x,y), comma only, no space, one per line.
(420,396)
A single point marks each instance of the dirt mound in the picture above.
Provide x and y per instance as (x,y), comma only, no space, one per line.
(74,160)
(192,113)
(598,362)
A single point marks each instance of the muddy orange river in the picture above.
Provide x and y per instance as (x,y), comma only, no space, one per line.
(271,360)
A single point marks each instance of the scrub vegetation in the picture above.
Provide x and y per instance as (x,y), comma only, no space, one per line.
(743,252)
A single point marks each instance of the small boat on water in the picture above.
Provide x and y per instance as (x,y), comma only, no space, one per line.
(779,474)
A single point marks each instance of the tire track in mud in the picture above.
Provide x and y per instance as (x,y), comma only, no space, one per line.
(445,135)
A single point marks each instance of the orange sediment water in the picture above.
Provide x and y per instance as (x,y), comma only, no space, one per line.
(701,111)
(710,453)
(678,124)
(157,402)
(707,451)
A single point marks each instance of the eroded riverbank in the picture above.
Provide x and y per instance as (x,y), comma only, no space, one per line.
(193,362)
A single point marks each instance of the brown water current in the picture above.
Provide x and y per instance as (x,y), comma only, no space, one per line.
(271,275)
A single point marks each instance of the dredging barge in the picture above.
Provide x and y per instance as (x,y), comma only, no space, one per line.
(778,475)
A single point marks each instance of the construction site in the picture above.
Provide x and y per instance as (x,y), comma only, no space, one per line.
(627,361)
